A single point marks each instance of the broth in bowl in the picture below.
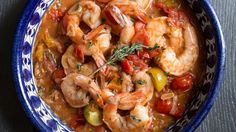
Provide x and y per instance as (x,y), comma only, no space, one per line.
(118,65)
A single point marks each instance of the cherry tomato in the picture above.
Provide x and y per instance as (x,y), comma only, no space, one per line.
(139,26)
(141,35)
(77,120)
(164,106)
(57,75)
(179,112)
(143,54)
(182,83)
(100,129)
(127,67)
(137,62)
(154,53)
(79,54)
(176,17)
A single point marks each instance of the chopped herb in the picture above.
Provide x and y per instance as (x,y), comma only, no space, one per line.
(135,68)
(120,71)
(120,80)
(120,54)
(112,63)
(133,20)
(90,45)
(140,82)
(134,118)
(158,59)
(156,46)
(78,66)
(89,82)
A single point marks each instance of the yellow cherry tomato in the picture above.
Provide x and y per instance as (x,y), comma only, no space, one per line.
(159,78)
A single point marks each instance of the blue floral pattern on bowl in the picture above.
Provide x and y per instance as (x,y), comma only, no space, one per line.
(44,118)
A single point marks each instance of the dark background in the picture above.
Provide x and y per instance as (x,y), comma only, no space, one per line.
(12,118)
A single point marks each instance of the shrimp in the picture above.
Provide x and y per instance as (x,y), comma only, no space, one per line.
(88,11)
(120,23)
(76,88)
(101,37)
(143,92)
(139,119)
(94,44)
(156,29)
(74,95)
(131,8)
(127,85)
(103,1)
(178,65)
(69,61)
(144,4)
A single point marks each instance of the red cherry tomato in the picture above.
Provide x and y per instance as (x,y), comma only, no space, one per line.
(182,83)
(139,26)
(127,67)
(137,62)
(154,53)
(100,129)
(57,75)
(175,16)
(79,54)
(141,35)
(179,112)
(143,54)
(164,106)
(77,120)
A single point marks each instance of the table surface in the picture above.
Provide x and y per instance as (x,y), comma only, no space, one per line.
(12,117)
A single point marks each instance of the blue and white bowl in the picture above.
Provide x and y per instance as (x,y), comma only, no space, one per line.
(44,118)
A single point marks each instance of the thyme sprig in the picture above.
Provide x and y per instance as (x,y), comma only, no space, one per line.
(120,54)
(123,52)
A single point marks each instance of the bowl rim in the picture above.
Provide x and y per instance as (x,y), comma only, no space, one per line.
(219,72)
(202,112)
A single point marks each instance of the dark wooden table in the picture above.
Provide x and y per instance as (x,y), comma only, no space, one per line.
(220,119)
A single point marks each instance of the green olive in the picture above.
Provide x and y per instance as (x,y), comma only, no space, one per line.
(93,114)
(159,78)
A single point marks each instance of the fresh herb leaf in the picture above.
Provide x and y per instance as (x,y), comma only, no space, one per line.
(135,68)
(156,46)
(134,118)
(133,20)
(90,45)
(120,80)
(158,59)
(120,54)
(140,82)
(78,66)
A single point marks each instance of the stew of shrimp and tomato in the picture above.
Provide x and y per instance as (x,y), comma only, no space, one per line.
(117,65)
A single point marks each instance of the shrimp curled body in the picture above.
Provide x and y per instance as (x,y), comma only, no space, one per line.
(139,119)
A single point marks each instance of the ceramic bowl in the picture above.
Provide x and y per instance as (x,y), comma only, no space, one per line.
(44,118)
